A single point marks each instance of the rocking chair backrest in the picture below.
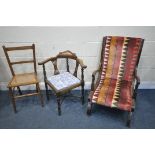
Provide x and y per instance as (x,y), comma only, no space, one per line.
(120,57)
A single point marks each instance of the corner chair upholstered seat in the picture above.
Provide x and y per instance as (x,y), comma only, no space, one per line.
(117,82)
(62,83)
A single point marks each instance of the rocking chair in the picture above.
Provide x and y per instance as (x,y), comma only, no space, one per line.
(117,82)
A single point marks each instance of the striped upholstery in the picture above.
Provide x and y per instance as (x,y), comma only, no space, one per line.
(119,59)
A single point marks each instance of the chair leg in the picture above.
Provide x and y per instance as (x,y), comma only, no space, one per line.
(89,108)
(135,95)
(13,99)
(19,90)
(40,95)
(82,93)
(46,87)
(129,119)
(59,105)
(135,91)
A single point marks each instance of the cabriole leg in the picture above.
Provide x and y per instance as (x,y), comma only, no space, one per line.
(89,108)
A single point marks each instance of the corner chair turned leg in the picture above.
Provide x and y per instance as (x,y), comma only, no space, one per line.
(46,87)
(59,105)
(82,85)
(82,93)
(13,99)
(89,108)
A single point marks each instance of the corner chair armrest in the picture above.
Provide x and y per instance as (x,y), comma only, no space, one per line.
(47,60)
(80,61)
(93,79)
(43,65)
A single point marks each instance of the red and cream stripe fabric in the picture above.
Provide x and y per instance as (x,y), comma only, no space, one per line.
(119,61)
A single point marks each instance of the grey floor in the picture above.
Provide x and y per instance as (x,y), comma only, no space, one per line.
(32,116)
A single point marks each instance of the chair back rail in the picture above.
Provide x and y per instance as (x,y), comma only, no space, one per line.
(19,48)
(64,55)
(22,48)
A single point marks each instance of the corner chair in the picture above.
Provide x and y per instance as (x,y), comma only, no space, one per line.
(62,83)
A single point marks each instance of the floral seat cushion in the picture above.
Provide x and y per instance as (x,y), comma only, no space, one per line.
(63,80)
(120,57)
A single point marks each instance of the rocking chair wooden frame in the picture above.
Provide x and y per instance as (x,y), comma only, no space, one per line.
(135,85)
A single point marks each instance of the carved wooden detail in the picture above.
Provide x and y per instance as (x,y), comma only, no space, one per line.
(76,69)
(56,71)
(67,65)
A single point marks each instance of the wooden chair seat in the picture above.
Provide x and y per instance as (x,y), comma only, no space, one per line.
(23,79)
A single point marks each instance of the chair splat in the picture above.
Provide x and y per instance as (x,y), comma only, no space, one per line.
(67,65)
(76,69)
(56,71)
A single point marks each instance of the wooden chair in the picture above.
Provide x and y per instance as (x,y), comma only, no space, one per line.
(22,79)
(62,83)
(117,82)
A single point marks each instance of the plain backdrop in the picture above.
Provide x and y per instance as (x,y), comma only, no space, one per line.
(85,41)
(77,13)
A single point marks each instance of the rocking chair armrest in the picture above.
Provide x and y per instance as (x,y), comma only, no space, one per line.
(95,72)
(80,61)
(93,79)
(137,77)
(47,60)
